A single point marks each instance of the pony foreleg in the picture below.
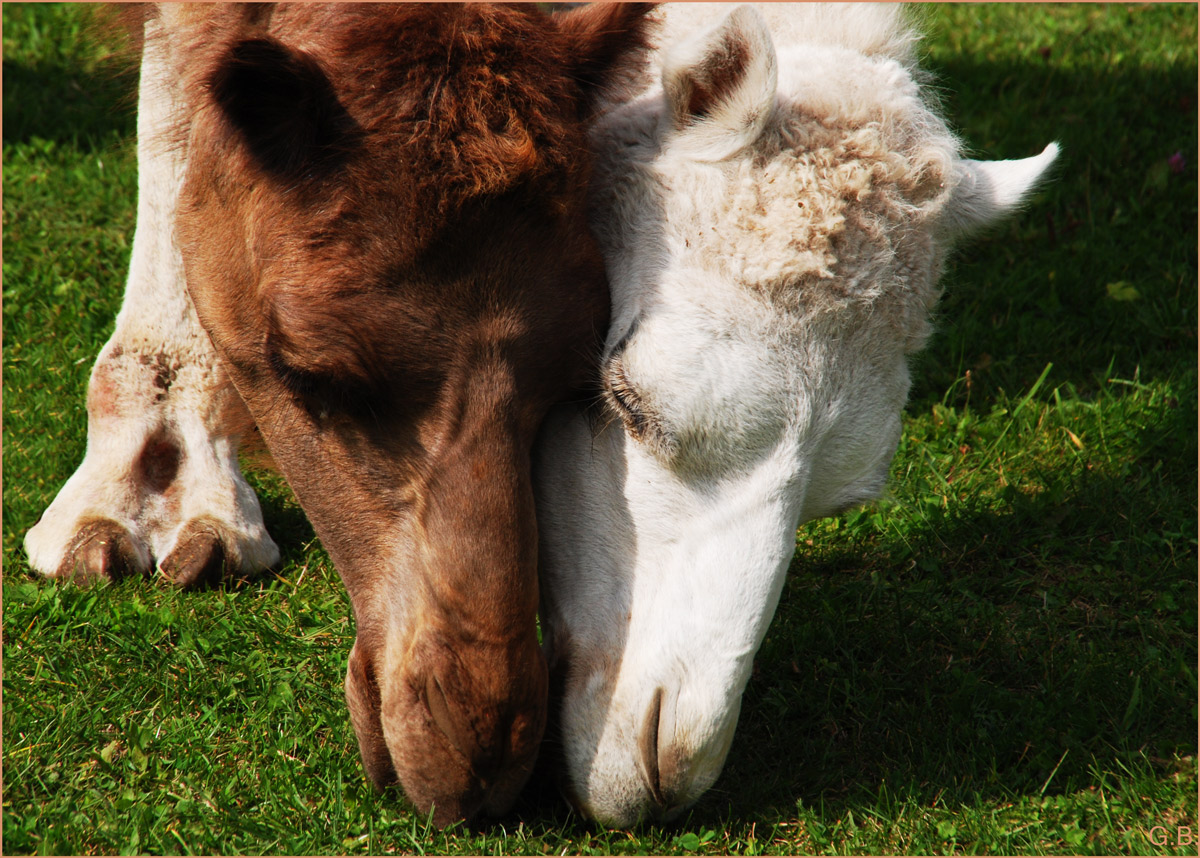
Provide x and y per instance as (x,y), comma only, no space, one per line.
(160,481)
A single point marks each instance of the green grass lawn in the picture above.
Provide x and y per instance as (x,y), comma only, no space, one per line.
(999,658)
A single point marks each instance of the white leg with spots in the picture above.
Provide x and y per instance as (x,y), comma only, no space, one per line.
(160,482)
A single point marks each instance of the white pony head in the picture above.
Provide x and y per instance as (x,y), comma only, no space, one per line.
(775,210)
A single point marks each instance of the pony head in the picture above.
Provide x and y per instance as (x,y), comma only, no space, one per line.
(774,210)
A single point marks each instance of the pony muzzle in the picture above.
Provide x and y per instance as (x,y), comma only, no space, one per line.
(437,725)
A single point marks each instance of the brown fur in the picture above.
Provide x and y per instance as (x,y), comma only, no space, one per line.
(383,228)
(119,25)
(714,81)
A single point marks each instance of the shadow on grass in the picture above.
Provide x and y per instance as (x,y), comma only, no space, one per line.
(67,106)
(1116,211)
(1012,651)
(288,526)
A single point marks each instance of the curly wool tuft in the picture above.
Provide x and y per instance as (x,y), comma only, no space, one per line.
(832,207)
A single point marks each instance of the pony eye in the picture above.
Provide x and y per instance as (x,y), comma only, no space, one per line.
(318,393)
(301,383)
(626,401)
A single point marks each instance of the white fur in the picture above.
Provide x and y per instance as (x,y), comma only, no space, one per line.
(772,263)
(157,333)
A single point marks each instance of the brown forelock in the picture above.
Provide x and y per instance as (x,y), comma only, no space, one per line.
(458,101)
(465,100)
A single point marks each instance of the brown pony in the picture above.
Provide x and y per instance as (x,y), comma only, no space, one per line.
(378,213)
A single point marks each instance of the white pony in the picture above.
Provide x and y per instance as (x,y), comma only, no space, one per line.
(775,206)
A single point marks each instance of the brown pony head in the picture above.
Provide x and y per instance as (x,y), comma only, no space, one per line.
(384,235)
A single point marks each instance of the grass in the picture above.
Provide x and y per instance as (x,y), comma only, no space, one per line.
(999,658)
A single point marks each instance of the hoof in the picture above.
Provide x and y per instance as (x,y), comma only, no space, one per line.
(199,558)
(101,551)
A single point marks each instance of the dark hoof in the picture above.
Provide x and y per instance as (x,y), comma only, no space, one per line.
(102,551)
(199,558)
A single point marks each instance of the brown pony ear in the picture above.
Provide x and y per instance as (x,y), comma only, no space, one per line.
(281,103)
(607,42)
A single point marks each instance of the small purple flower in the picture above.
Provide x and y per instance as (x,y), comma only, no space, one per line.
(1177,162)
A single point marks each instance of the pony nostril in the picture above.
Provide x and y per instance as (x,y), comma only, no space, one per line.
(447,719)
(648,749)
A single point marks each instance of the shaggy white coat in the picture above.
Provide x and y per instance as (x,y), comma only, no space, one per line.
(775,206)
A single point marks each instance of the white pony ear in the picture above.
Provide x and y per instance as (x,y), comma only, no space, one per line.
(989,190)
(720,86)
